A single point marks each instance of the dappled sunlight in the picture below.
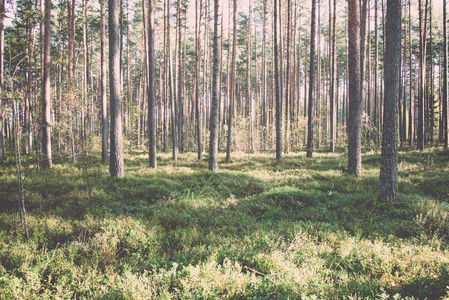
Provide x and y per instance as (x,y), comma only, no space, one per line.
(258,227)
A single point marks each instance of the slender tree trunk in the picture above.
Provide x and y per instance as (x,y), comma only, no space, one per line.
(180,99)
(232,82)
(333,98)
(103,96)
(311,106)
(151,87)
(411,114)
(46,97)
(197,79)
(422,77)
(388,179)
(355,90)
(279,110)
(213,146)
(445,96)
(264,76)
(116,162)
(173,104)
(2,43)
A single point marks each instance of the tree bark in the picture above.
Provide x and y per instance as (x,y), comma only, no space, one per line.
(213,145)
(46,92)
(232,82)
(311,106)
(173,104)
(151,88)
(355,90)
(103,95)
(332,96)
(116,162)
(279,110)
(445,98)
(2,43)
(197,79)
(388,179)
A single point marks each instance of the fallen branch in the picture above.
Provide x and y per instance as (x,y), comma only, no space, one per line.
(254,271)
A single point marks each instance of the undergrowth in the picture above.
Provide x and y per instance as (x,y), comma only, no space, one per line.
(258,229)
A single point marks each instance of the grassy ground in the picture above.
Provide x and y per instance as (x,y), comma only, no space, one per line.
(258,229)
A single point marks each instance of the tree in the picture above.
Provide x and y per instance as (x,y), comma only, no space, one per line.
(197,78)
(445,98)
(116,163)
(173,104)
(46,92)
(232,82)
(213,146)
(355,91)
(151,87)
(279,121)
(311,106)
(103,95)
(332,96)
(388,179)
(2,43)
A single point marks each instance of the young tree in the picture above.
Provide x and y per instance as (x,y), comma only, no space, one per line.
(46,92)
(213,146)
(311,106)
(388,179)
(151,87)
(355,91)
(116,163)
(103,95)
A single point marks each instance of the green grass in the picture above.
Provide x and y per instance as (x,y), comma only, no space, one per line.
(181,232)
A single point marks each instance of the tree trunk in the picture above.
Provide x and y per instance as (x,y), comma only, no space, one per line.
(388,179)
(2,43)
(213,146)
(116,163)
(151,87)
(355,90)
(311,106)
(173,106)
(332,96)
(46,97)
(411,114)
(279,111)
(103,96)
(422,77)
(445,97)
(232,82)
(197,79)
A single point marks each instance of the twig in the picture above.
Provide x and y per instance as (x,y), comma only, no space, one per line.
(254,271)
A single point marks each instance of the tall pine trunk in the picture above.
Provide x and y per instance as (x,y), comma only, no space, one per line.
(355,90)
(116,162)
(46,92)
(151,88)
(103,95)
(279,111)
(213,145)
(388,179)
(311,106)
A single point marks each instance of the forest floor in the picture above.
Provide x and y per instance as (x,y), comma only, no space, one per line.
(258,229)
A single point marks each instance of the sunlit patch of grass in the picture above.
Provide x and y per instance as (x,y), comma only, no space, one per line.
(295,229)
